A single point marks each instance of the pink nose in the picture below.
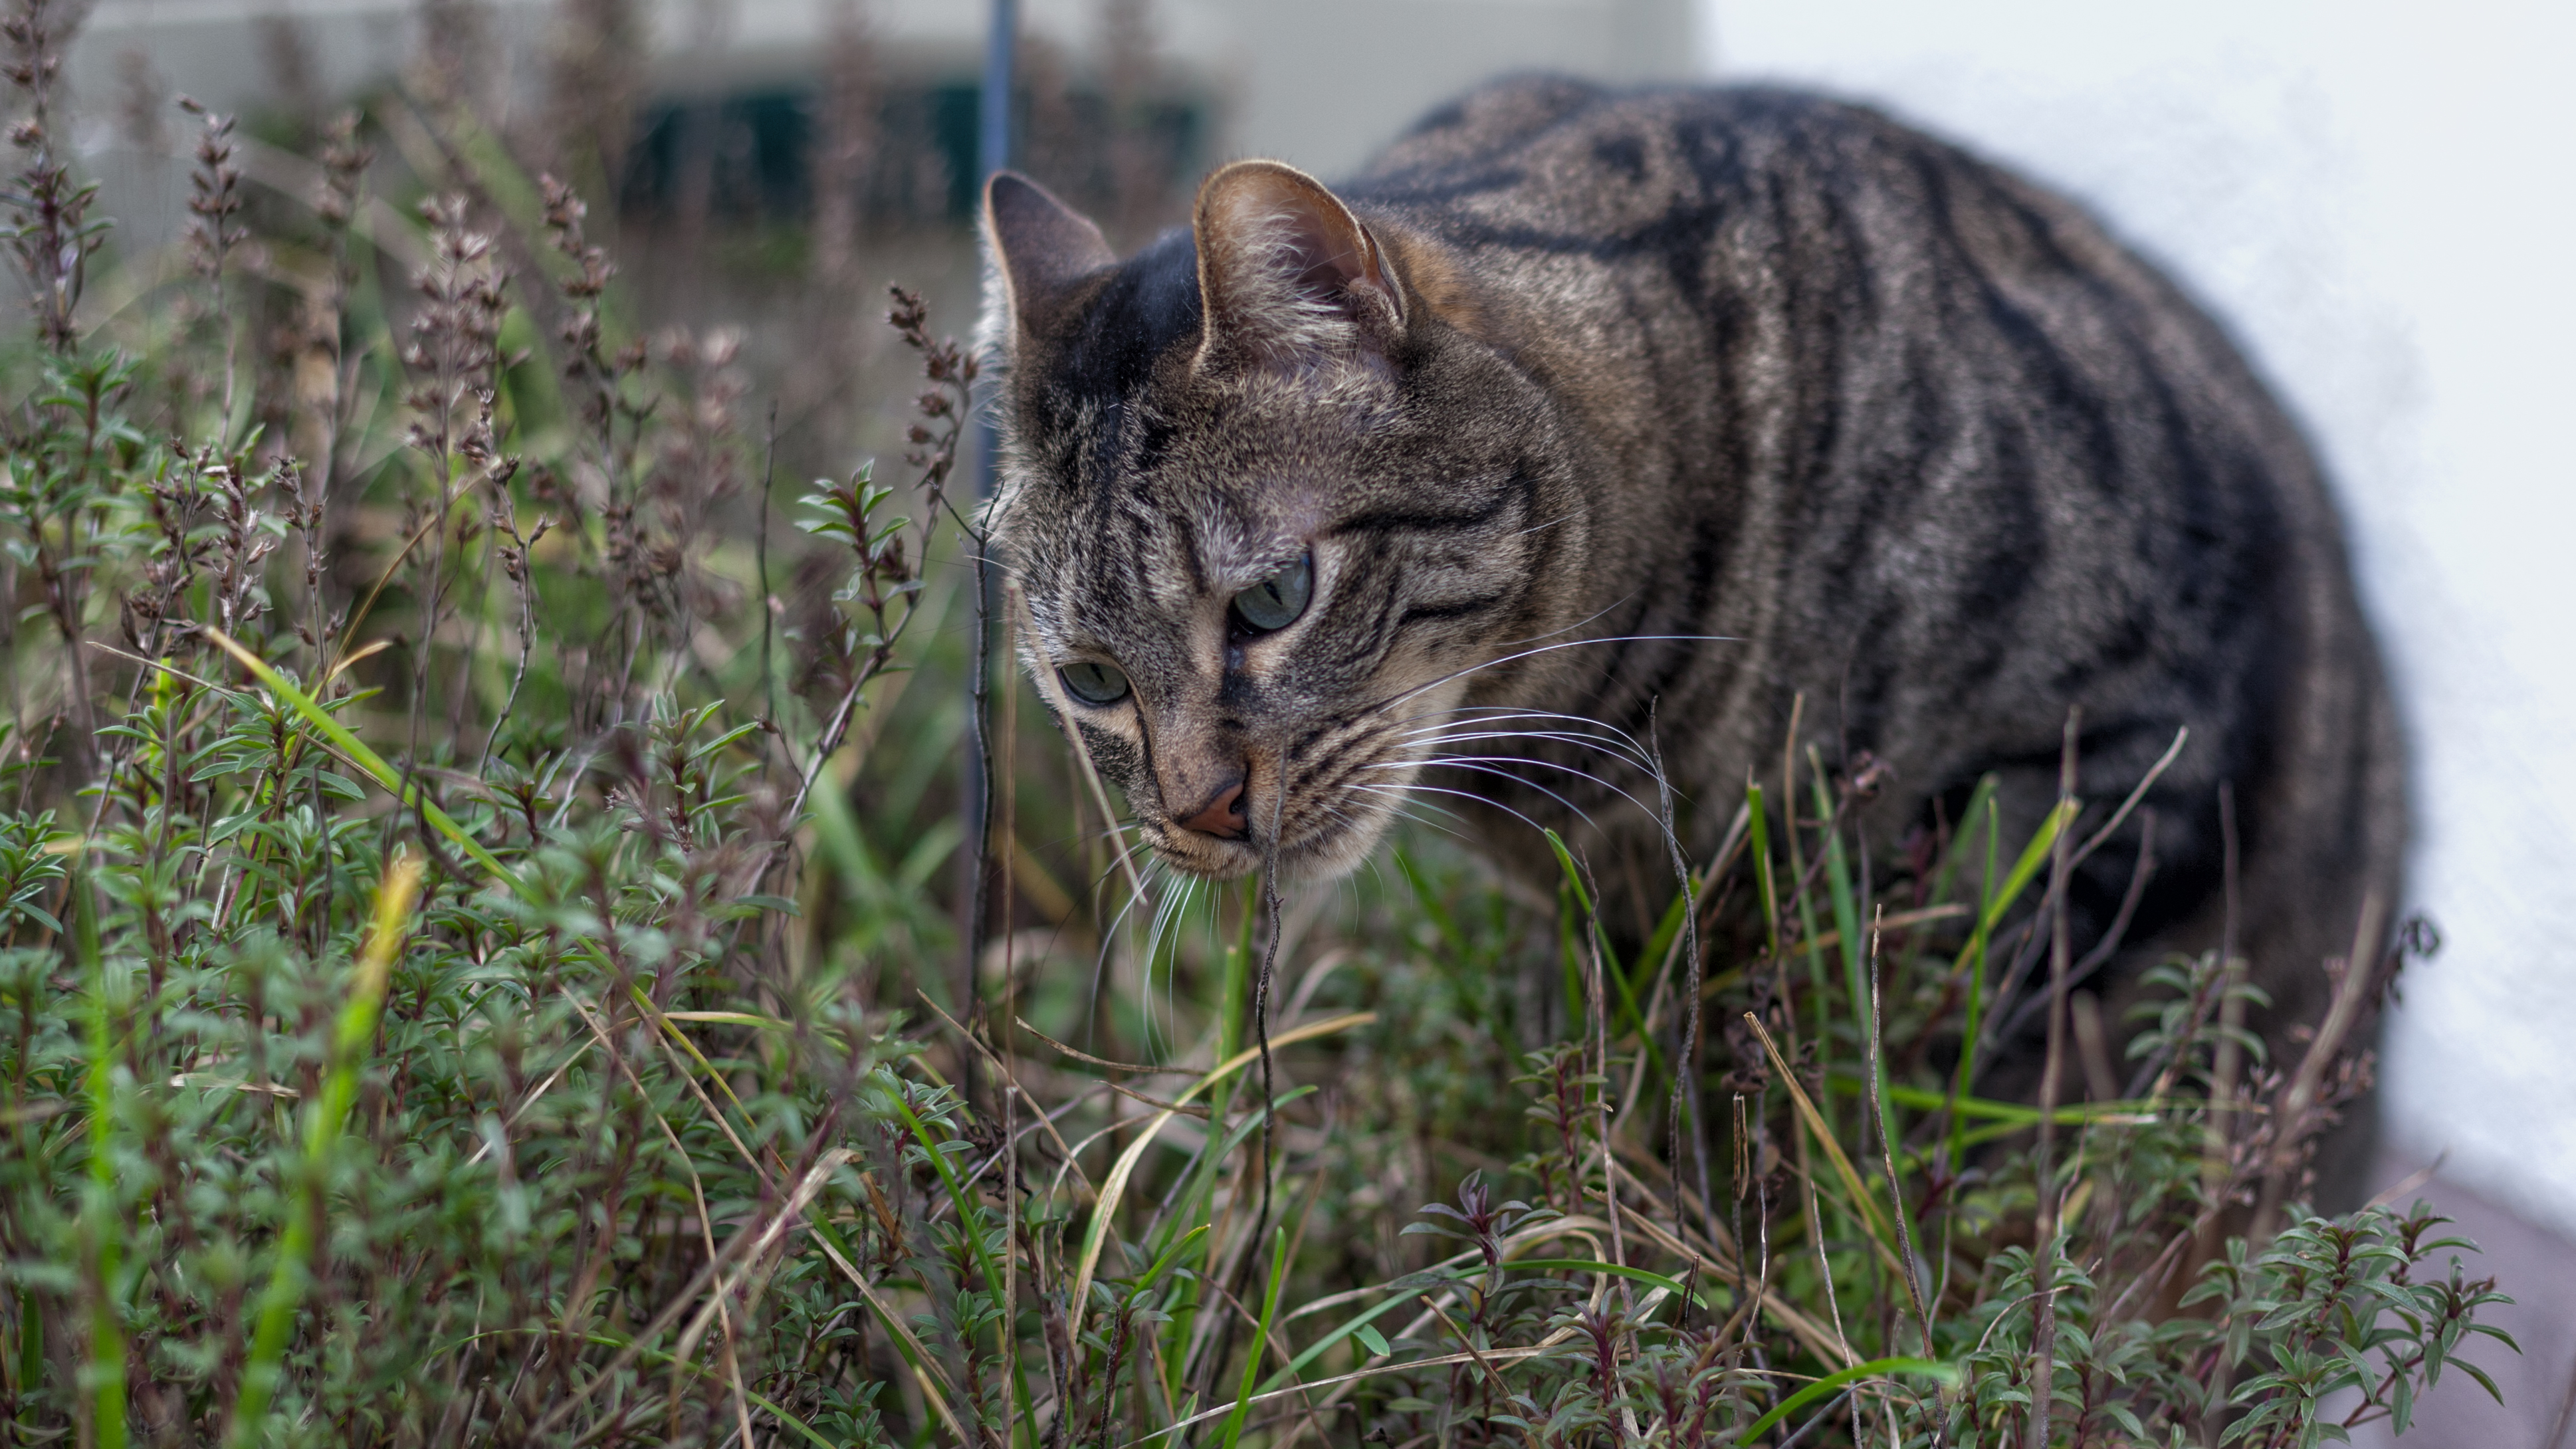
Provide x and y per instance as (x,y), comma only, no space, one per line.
(1223,817)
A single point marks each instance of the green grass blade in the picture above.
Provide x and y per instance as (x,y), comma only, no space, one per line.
(1317,1349)
(1430,903)
(970,1221)
(1188,1213)
(351,1036)
(1761,827)
(1876,1368)
(1665,929)
(1615,1270)
(356,752)
(2024,871)
(1988,1109)
(1573,877)
(1978,940)
(1198,1192)
(105,1368)
(1838,889)
(1945,879)
(2033,856)
(1260,1339)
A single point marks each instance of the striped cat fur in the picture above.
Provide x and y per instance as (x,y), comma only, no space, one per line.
(1595,416)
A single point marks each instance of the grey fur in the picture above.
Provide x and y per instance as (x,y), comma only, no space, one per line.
(1770,396)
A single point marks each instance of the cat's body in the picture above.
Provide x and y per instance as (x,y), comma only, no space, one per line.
(1772,394)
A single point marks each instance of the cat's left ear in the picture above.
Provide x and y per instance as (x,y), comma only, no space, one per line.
(1287,275)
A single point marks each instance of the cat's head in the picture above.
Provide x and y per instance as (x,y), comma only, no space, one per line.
(1277,504)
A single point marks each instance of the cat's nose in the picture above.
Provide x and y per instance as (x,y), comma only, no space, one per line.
(1223,817)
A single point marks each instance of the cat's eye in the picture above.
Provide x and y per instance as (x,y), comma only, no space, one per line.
(1093,683)
(1275,602)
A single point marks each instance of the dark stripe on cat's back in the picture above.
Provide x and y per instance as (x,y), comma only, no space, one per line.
(2046,372)
(2184,468)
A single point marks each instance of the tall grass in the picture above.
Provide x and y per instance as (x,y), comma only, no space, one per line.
(480,962)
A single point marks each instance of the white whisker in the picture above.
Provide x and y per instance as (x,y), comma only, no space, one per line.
(1497,713)
(1480,767)
(1603,612)
(1590,742)
(1117,867)
(1458,674)
(1494,765)
(1400,791)
(1472,714)
(1166,912)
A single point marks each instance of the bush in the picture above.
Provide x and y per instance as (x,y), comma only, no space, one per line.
(477,969)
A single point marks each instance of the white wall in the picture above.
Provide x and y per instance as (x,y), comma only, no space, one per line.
(2378,199)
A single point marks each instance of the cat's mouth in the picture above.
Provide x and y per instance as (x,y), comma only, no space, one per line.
(1323,828)
(1323,850)
(1347,778)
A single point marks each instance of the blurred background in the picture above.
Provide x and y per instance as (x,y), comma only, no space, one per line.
(2373,199)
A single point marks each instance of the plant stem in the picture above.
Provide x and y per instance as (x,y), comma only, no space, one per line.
(2044,1260)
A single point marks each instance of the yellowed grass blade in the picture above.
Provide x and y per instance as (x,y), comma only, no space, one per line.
(1114,1186)
(1873,1217)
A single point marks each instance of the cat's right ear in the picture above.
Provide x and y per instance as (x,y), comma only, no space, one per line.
(1288,275)
(1043,246)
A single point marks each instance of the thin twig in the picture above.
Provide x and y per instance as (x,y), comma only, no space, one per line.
(2305,1098)
(760,555)
(2044,1250)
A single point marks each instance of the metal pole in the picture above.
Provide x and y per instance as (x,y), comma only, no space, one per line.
(993,153)
(993,135)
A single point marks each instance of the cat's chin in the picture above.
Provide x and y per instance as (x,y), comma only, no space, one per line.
(1210,859)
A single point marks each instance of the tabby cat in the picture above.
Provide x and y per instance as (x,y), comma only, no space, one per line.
(1586,417)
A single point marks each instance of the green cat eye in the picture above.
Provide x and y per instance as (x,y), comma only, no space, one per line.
(1275,602)
(1093,683)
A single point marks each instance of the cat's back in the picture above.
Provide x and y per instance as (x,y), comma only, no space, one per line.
(1557,137)
(1849,346)
(1722,198)
(1541,161)
(1921,438)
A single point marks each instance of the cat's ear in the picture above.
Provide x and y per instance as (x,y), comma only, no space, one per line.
(1043,246)
(1287,274)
